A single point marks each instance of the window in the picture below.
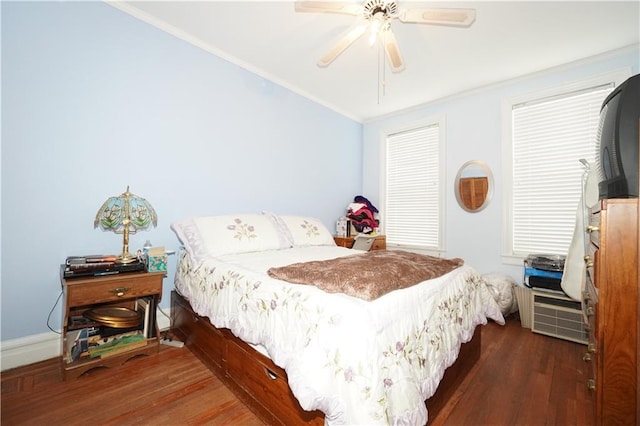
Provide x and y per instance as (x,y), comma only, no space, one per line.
(548,134)
(413,187)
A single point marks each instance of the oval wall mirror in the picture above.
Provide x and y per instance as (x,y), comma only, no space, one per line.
(474,185)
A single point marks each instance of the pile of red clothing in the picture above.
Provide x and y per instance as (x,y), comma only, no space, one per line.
(361,213)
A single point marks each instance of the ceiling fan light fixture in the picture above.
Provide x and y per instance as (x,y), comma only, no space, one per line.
(376,17)
(377,23)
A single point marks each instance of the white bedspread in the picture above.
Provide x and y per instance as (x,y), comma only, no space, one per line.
(359,362)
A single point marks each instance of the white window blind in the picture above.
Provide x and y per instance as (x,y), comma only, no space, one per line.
(412,198)
(549,137)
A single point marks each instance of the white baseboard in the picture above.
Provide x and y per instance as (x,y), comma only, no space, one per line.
(30,349)
(40,347)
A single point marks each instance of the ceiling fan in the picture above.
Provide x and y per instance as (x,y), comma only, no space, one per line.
(376,17)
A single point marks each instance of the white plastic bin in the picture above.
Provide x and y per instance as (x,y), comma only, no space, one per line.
(525,305)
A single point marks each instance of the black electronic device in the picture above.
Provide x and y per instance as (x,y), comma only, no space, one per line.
(545,283)
(617,141)
(546,262)
(76,271)
(544,271)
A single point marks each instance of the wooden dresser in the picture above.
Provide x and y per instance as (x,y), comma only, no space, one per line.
(379,244)
(611,308)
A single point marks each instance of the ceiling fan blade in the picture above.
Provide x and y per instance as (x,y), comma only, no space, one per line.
(451,17)
(392,50)
(328,7)
(352,34)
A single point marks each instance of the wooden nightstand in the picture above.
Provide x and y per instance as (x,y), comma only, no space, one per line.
(379,244)
(125,290)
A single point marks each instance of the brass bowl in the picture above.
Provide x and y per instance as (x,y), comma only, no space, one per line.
(114,316)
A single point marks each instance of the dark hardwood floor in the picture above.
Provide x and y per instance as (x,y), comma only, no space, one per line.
(522,378)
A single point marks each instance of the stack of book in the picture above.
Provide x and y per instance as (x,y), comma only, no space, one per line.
(124,342)
(146,306)
(83,344)
(88,338)
(95,265)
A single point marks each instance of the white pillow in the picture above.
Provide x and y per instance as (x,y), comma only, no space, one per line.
(213,236)
(502,289)
(307,231)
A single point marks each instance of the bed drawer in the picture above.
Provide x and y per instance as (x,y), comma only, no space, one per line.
(267,382)
(201,337)
(261,385)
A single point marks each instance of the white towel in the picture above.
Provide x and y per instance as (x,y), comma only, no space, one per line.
(575,270)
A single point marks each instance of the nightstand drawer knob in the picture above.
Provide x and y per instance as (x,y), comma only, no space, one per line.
(120,291)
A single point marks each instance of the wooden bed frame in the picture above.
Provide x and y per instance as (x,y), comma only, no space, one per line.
(262,385)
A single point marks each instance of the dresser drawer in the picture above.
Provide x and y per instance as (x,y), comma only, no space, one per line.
(590,262)
(589,300)
(590,357)
(81,292)
(380,243)
(593,228)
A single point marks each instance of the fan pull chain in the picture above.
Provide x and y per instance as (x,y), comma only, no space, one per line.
(384,72)
(378,85)
(382,85)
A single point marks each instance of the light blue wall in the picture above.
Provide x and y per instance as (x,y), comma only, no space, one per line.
(94,100)
(474,132)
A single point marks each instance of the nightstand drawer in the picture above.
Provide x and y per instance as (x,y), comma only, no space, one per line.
(89,291)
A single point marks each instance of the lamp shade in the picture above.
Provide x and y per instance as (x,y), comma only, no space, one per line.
(125,214)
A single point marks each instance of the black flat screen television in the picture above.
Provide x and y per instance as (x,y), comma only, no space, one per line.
(617,141)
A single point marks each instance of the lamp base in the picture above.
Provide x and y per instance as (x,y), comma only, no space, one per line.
(126,258)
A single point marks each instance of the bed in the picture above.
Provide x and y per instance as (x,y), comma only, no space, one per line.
(317,353)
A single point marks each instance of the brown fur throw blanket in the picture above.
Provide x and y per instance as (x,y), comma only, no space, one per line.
(368,275)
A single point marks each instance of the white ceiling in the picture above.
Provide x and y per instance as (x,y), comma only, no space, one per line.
(507,40)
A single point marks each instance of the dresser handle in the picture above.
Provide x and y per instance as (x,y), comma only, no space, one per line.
(589,263)
(586,357)
(120,291)
(592,228)
(591,348)
(590,311)
(586,296)
(591,384)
